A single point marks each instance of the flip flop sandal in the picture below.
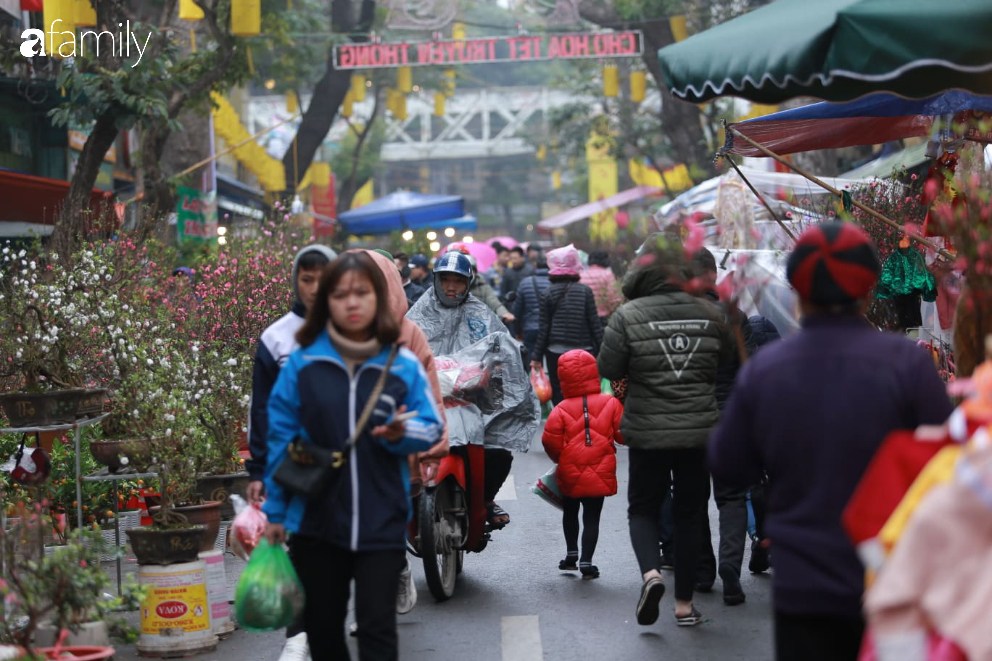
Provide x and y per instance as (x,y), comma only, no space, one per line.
(690,620)
(494,511)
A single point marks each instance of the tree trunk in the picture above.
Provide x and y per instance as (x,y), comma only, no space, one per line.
(327,95)
(680,121)
(353,183)
(74,216)
(159,198)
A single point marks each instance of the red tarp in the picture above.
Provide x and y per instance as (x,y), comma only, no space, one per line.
(30,199)
(870,120)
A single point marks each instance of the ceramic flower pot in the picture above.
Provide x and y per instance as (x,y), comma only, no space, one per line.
(206,514)
(110,452)
(91,403)
(153,546)
(221,488)
(42,409)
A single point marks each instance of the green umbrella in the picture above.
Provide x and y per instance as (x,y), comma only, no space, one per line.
(837,50)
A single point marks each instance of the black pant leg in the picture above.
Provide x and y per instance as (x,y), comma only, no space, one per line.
(552,360)
(570,524)
(646,489)
(732,504)
(706,567)
(377,574)
(759,503)
(498,463)
(592,508)
(817,637)
(666,526)
(325,571)
(691,481)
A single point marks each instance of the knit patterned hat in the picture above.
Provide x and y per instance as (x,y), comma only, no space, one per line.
(833,264)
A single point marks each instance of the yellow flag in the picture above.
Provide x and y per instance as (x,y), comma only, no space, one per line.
(189,11)
(84,14)
(602,184)
(59,24)
(363,196)
(246,17)
(679,29)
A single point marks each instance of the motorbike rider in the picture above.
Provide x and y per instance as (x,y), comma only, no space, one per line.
(454,320)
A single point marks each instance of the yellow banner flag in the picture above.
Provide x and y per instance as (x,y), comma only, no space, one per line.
(363,196)
(602,184)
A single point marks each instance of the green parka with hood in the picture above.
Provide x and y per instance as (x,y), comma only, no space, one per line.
(668,343)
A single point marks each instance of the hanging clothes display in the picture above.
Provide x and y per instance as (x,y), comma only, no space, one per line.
(904,280)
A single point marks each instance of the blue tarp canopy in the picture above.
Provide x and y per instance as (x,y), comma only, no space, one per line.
(407,210)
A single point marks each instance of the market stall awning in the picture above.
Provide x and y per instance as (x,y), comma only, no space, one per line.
(37,200)
(837,50)
(586,210)
(884,166)
(404,210)
(870,120)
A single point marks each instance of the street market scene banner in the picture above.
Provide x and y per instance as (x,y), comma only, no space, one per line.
(581,45)
(196,217)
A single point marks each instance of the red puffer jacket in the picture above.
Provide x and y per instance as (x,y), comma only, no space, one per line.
(587,466)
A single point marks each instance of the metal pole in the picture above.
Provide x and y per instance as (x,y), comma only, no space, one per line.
(224,152)
(888,221)
(761,199)
(117,536)
(79,477)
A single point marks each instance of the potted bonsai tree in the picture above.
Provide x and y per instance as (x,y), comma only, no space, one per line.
(220,373)
(46,593)
(39,374)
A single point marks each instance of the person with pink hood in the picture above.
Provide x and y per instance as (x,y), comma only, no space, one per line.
(569,319)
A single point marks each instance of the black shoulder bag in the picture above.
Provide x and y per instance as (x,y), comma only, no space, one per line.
(308,468)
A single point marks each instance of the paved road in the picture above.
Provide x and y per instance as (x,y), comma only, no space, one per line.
(512,603)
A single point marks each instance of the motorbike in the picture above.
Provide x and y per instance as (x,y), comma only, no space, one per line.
(450,512)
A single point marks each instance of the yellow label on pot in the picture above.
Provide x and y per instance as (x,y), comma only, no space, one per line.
(177,602)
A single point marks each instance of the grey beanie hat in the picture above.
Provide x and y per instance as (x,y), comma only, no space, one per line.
(313,247)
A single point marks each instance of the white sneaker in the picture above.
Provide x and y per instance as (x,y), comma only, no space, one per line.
(296,649)
(406,591)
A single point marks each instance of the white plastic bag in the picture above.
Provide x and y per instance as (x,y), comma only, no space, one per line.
(547,488)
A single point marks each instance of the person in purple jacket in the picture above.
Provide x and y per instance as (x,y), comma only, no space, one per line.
(811,411)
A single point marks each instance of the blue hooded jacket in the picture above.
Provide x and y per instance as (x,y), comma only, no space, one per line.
(317,399)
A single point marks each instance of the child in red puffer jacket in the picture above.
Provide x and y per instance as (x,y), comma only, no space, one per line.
(579,437)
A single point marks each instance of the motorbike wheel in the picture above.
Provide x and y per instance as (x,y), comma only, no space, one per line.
(440,557)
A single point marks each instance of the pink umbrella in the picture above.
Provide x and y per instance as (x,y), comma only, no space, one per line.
(484,255)
(505,241)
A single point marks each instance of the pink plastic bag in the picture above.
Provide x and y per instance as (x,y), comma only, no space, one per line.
(248,527)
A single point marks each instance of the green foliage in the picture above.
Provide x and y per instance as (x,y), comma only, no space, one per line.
(294,63)
(343,161)
(66,585)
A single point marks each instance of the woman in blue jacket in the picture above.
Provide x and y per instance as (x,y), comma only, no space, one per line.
(355,528)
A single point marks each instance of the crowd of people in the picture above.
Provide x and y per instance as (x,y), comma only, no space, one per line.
(708,401)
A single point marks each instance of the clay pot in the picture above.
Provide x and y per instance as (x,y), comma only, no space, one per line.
(91,403)
(108,452)
(152,546)
(206,514)
(222,487)
(42,409)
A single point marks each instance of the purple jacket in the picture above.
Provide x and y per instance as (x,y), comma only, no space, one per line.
(810,411)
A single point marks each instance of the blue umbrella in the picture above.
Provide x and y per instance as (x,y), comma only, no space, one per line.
(406,210)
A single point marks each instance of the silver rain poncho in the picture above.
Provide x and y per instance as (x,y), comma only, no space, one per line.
(481,371)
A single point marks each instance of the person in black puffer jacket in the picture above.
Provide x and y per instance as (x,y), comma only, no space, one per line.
(568,316)
(669,344)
